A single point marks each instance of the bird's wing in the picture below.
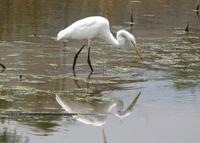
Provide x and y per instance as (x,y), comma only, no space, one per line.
(86,25)
(85,30)
(88,28)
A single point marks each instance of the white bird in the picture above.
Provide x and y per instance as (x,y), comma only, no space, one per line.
(94,27)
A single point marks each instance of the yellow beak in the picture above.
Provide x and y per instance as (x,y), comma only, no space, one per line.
(137,50)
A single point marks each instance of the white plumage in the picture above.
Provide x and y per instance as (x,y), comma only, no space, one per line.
(87,28)
(95,27)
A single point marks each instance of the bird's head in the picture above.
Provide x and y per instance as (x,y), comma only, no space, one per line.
(124,36)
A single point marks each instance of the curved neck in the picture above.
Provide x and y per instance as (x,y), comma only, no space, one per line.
(112,40)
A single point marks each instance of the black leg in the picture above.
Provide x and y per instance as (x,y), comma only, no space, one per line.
(88,60)
(75,58)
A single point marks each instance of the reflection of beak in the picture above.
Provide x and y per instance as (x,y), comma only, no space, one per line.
(129,109)
(137,50)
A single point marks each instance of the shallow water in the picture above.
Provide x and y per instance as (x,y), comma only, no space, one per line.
(102,107)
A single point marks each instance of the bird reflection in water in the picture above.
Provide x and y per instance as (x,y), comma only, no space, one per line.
(94,111)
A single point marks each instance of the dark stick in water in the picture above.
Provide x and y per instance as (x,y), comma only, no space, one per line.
(20,77)
(2,66)
(198,7)
(187,28)
(132,17)
(132,22)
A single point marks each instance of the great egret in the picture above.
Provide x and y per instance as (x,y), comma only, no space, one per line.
(93,27)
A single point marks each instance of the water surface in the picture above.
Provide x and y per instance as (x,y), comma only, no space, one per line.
(39,69)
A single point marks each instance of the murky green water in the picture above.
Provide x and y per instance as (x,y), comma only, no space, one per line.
(39,74)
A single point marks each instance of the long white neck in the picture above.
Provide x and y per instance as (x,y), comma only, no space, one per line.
(112,40)
(120,39)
